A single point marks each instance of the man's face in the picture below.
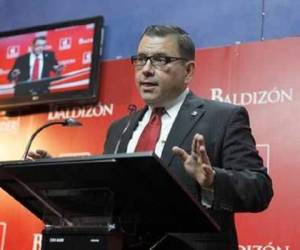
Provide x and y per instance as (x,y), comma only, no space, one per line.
(39,46)
(158,85)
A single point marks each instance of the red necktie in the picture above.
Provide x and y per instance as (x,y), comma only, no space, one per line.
(151,132)
(36,69)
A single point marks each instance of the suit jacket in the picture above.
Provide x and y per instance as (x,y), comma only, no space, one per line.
(241,183)
(22,63)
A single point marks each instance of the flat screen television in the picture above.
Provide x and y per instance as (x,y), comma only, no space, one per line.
(54,64)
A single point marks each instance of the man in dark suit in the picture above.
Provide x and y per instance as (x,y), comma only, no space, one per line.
(34,66)
(207,145)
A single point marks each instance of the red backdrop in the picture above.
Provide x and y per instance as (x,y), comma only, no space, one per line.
(263,76)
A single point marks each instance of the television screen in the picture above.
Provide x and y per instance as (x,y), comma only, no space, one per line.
(51,64)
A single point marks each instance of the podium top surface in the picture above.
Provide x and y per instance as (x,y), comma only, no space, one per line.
(122,187)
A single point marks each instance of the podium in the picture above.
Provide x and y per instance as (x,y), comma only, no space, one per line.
(34,88)
(112,195)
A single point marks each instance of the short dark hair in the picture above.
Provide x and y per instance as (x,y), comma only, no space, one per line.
(38,38)
(185,43)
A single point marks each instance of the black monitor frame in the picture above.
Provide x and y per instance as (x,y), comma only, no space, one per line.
(67,98)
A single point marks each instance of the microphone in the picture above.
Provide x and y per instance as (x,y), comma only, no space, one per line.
(121,136)
(131,108)
(70,122)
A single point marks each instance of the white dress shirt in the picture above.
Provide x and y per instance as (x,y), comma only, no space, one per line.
(167,121)
(32,58)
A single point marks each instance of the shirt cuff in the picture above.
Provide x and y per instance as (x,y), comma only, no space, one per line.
(207,197)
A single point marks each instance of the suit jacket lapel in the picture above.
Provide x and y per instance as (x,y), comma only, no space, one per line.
(188,116)
(133,121)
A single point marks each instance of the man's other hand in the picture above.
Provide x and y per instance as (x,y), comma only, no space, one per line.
(15,74)
(38,154)
(58,69)
(197,164)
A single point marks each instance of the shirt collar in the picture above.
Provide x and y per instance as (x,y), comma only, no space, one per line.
(40,56)
(173,107)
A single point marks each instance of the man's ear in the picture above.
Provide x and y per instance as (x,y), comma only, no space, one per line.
(190,69)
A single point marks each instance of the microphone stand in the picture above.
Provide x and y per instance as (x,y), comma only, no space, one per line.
(67,122)
(132,109)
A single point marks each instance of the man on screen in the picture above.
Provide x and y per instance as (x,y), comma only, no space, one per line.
(206,145)
(34,66)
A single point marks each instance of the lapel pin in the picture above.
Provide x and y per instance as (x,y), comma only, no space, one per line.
(194,113)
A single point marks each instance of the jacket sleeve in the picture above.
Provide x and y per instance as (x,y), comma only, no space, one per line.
(241,183)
